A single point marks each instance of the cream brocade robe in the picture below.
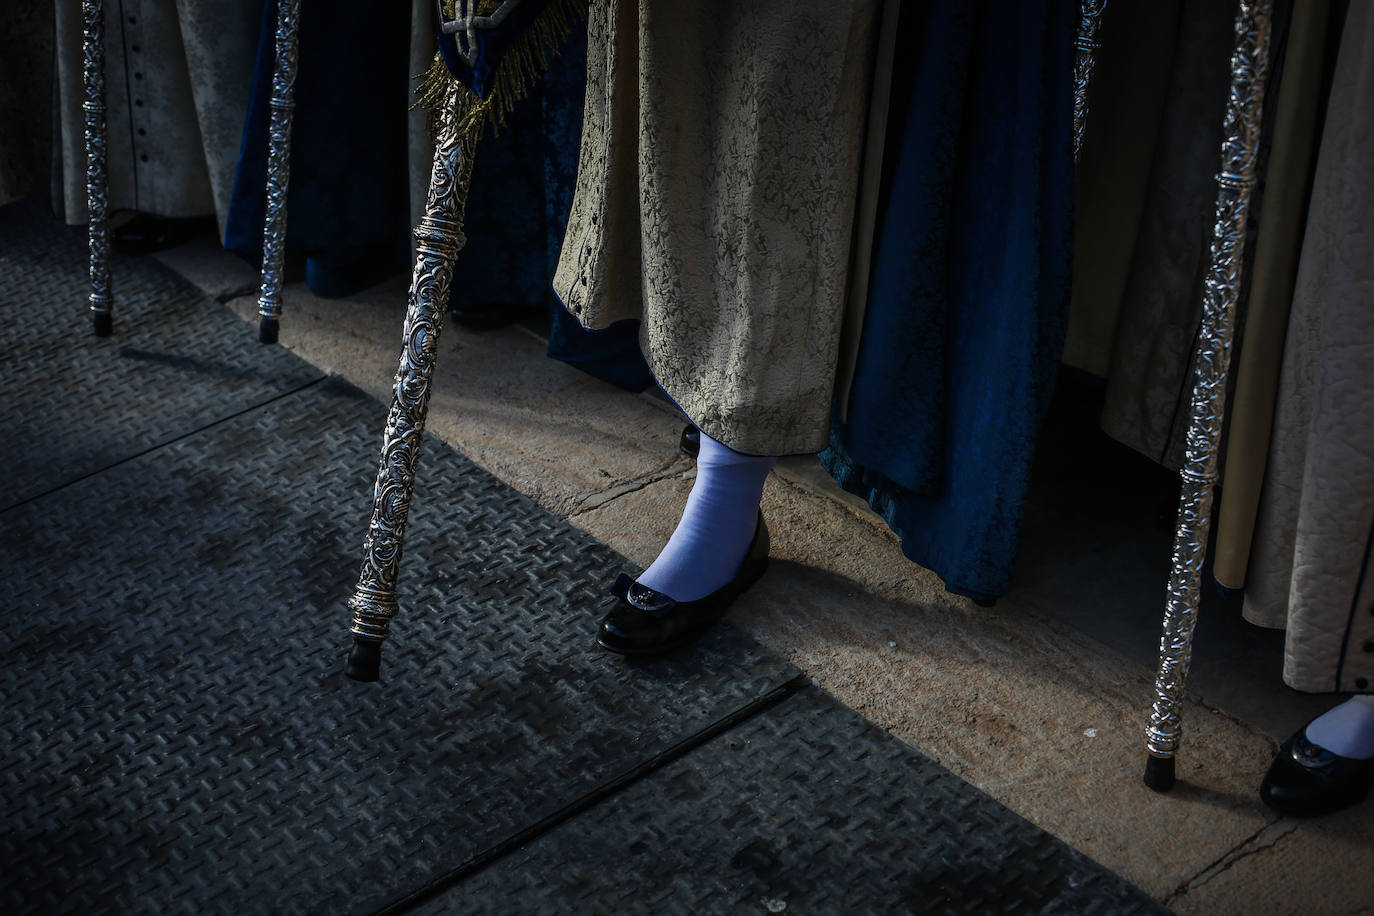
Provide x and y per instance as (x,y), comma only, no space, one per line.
(715,199)
(178,74)
(1310,564)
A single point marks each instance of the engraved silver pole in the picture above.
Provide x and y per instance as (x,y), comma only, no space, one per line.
(1249,65)
(97,197)
(278,170)
(439,238)
(1085,58)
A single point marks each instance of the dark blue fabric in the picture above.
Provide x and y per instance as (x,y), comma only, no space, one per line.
(491,46)
(522,189)
(503,261)
(968,295)
(347,208)
(613,354)
(348,201)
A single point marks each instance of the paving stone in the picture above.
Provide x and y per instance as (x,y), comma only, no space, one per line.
(1295,868)
(211,269)
(554,433)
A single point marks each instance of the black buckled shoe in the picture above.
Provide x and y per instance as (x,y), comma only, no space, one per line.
(1306,779)
(645,622)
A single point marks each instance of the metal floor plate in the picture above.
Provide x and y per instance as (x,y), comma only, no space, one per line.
(805,808)
(72,403)
(178,737)
(177,732)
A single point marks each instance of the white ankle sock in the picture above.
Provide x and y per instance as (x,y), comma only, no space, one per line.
(717,525)
(1347,729)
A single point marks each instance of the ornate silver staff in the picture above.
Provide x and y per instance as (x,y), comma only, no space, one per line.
(278,170)
(97,198)
(1085,58)
(1249,65)
(439,237)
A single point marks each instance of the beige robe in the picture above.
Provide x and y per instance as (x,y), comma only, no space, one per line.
(1278,244)
(716,196)
(177,79)
(1310,564)
(1146,404)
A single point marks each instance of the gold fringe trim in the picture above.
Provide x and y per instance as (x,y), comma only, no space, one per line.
(484,7)
(521,67)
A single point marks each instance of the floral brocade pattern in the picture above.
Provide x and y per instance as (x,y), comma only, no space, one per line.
(715,201)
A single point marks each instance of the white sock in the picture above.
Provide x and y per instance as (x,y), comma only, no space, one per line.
(717,525)
(1347,729)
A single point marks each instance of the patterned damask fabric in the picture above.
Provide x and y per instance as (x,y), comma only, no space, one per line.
(716,192)
(177,81)
(715,199)
(1150,381)
(1314,540)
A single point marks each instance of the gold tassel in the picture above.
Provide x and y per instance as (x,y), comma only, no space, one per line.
(521,67)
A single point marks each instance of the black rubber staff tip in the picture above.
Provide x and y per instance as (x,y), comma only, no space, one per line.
(267,330)
(1159,773)
(365,661)
(104,323)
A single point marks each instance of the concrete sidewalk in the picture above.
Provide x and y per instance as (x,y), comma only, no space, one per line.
(1040,701)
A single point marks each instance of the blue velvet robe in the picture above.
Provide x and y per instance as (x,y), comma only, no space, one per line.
(968,299)
(522,189)
(348,201)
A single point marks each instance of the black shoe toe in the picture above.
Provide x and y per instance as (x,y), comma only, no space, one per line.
(1307,780)
(645,622)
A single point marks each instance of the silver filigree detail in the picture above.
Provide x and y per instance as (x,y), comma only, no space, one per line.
(1241,129)
(1085,58)
(279,159)
(466,24)
(439,237)
(97,183)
